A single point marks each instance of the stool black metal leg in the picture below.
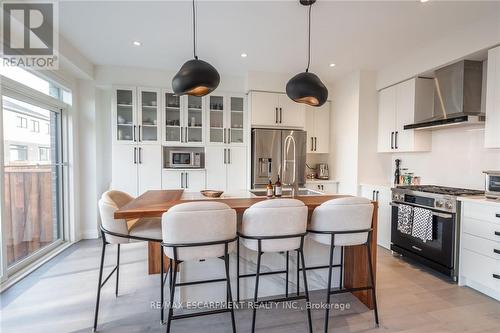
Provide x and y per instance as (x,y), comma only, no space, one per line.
(298,274)
(161,286)
(99,283)
(172,293)
(117,268)
(256,292)
(327,311)
(341,284)
(229,292)
(171,268)
(372,280)
(306,290)
(286,274)
(238,270)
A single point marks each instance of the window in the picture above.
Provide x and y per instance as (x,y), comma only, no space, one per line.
(44,154)
(18,153)
(47,128)
(35,126)
(21,122)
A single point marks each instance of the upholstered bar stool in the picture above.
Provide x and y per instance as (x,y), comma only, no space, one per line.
(277,225)
(120,231)
(344,222)
(194,231)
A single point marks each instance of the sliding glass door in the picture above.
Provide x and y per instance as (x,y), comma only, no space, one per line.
(32,220)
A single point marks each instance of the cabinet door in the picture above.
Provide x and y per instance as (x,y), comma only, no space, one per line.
(149,170)
(194,181)
(194,120)
(236,169)
(310,113)
(236,120)
(125,115)
(491,132)
(264,108)
(384,217)
(405,115)
(386,119)
(172,179)
(215,164)
(291,114)
(124,168)
(322,129)
(173,118)
(149,116)
(216,119)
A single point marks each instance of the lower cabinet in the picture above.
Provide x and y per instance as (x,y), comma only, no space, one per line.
(329,187)
(480,247)
(189,180)
(226,168)
(383,195)
(136,168)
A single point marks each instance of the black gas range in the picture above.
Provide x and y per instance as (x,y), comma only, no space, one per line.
(441,252)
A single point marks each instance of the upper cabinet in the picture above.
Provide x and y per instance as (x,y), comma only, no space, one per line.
(227,119)
(136,115)
(397,107)
(318,128)
(184,119)
(491,132)
(276,110)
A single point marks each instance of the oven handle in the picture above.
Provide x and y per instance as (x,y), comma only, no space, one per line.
(442,215)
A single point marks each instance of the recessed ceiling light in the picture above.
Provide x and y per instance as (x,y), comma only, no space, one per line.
(332,65)
(136,43)
(244,55)
(423,1)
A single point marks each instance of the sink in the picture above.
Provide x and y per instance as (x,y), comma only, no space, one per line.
(286,192)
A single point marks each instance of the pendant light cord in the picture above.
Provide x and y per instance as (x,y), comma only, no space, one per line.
(194,31)
(309,40)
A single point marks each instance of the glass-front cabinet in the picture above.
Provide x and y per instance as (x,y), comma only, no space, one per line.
(227,119)
(184,119)
(125,115)
(148,128)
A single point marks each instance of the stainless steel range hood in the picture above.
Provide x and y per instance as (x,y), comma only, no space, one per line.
(457,97)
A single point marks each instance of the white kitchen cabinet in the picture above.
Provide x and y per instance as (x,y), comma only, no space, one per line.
(383,195)
(318,128)
(480,247)
(275,110)
(324,186)
(136,169)
(188,180)
(227,119)
(184,119)
(226,168)
(397,107)
(492,125)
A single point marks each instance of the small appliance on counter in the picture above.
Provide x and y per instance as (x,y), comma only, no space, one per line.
(492,184)
(323,172)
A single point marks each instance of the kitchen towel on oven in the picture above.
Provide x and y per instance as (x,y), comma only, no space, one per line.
(422,224)
(405,219)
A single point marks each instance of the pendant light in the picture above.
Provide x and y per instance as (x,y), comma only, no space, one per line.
(306,87)
(196,77)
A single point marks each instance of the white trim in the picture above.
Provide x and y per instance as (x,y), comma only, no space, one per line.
(3,247)
(22,273)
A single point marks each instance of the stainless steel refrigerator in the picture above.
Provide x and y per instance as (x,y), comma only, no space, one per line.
(273,154)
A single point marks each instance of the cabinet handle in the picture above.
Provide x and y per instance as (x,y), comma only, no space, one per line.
(140,155)
(276,116)
(498,215)
(186,134)
(223,135)
(139,135)
(376,195)
(373,195)
(312,143)
(228,155)
(186,175)
(496,251)
(315,144)
(181,138)
(281,115)
(396,140)
(392,140)
(225,156)
(497,233)
(229,135)
(133,134)
(496,276)
(135,155)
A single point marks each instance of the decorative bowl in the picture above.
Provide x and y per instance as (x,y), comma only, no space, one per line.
(212,193)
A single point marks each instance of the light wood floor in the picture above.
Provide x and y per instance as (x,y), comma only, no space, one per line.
(60,296)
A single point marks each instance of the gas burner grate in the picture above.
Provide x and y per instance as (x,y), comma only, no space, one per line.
(442,190)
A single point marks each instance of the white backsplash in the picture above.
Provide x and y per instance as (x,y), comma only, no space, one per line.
(457,159)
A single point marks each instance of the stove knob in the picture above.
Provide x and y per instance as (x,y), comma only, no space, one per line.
(439,204)
(448,205)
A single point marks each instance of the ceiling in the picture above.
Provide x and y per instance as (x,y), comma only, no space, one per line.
(353,35)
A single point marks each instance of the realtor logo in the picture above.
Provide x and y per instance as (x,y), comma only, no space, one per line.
(29,32)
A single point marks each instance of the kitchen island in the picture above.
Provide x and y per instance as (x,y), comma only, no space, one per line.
(355,274)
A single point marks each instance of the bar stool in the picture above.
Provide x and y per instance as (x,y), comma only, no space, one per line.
(196,231)
(344,222)
(277,225)
(120,231)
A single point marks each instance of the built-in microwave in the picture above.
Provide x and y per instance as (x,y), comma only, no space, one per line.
(184,159)
(492,184)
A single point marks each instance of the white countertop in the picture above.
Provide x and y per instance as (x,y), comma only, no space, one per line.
(312,181)
(481,199)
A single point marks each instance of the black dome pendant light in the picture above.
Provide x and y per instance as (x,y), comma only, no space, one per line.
(306,87)
(196,77)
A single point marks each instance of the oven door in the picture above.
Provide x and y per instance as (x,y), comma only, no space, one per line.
(438,250)
(181,159)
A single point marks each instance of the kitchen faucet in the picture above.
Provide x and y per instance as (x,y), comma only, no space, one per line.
(295,186)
